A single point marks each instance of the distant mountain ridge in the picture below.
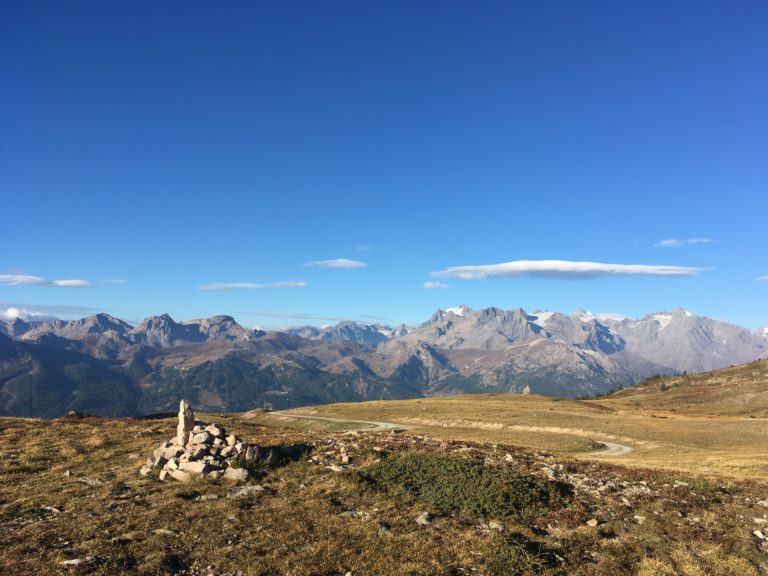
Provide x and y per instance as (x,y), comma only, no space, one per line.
(224,366)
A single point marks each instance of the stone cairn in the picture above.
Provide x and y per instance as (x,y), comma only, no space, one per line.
(200,449)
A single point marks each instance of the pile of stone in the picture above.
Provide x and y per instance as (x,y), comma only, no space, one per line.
(200,449)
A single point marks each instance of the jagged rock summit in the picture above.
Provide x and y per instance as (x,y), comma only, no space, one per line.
(200,449)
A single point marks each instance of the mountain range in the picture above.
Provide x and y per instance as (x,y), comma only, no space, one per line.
(103,365)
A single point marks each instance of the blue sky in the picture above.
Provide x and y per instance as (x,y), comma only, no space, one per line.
(177,145)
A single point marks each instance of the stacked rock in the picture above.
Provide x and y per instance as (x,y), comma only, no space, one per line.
(200,449)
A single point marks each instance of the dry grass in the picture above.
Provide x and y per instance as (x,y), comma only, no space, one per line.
(736,391)
(695,443)
(310,520)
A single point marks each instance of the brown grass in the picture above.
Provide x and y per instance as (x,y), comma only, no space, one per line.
(696,443)
(310,520)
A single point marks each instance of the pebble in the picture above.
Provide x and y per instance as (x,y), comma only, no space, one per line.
(75,562)
(424,520)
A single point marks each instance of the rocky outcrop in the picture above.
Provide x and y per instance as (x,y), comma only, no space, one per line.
(200,450)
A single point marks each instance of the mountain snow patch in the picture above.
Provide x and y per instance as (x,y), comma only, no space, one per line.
(662,319)
(458,311)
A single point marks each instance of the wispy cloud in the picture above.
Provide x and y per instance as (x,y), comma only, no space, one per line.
(114,281)
(675,243)
(337,263)
(376,318)
(26,311)
(364,247)
(295,316)
(26,279)
(560,270)
(763,278)
(435,285)
(251,285)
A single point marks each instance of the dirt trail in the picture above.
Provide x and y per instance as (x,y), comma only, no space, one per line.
(367,425)
(611,448)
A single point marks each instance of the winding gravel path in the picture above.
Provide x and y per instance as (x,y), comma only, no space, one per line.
(611,448)
(368,425)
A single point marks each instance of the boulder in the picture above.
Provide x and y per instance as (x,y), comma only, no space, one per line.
(215,431)
(186,423)
(193,467)
(203,437)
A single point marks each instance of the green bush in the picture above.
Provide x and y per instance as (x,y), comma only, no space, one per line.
(512,559)
(451,484)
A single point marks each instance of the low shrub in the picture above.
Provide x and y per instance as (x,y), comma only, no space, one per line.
(451,484)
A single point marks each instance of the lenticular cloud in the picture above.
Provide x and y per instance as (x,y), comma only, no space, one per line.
(560,270)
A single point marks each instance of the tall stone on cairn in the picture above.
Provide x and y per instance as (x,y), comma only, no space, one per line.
(186,423)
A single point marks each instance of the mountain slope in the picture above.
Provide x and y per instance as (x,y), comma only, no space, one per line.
(741,390)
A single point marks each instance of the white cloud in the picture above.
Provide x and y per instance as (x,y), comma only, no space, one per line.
(560,270)
(763,278)
(114,281)
(252,286)
(364,248)
(52,309)
(434,285)
(337,263)
(675,243)
(22,313)
(26,279)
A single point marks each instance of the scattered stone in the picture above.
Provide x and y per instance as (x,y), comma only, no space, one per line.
(424,520)
(336,468)
(75,562)
(763,503)
(496,525)
(680,484)
(640,519)
(165,532)
(236,474)
(759,534)
(592,522)
(67,473)
(241,491)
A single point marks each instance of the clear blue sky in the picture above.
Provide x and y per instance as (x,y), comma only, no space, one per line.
(176,145)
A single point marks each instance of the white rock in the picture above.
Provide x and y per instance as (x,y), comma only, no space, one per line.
(241,491)
(163,475)
(424,520)
(75,562)
(231,440)
(186,423)
(236,474)
(215,431)
(180,475)
(193,467)
(203,437)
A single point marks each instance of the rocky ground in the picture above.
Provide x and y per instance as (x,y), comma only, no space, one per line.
(72,501)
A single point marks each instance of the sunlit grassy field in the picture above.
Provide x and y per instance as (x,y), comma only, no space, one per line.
(733,445)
